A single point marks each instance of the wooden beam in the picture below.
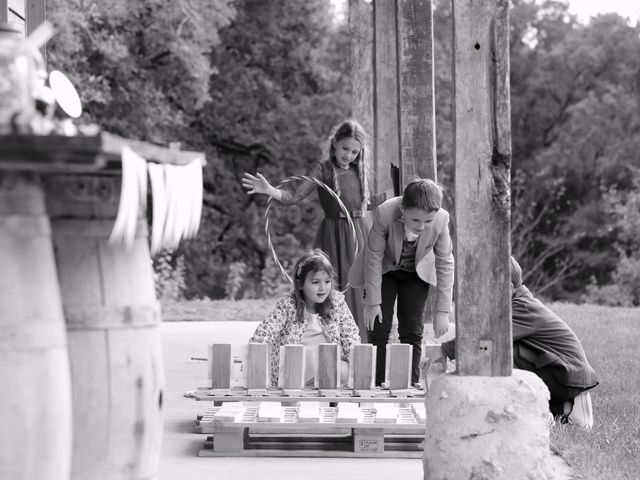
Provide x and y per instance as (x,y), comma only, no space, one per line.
(386,94)
(4,11)
(415,81)
(36,13)
(482,142)
(361,30)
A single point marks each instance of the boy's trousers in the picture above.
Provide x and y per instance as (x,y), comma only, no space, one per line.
(411,293)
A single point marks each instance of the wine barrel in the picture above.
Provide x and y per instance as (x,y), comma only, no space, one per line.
(35,387)
(112,319)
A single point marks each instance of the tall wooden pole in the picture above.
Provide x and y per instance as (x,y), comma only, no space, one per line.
(362,109)
(415,90)
(387,123)
(482,187)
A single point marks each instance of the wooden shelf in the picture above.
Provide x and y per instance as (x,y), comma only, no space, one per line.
(99,153)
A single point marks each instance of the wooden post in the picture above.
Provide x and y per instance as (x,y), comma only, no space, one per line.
(35,14)
(415,86)
(361,30)
(386,94)
(4,11)
(482,190)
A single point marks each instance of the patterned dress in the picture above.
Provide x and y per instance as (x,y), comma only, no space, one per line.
(334,235)
(280,328)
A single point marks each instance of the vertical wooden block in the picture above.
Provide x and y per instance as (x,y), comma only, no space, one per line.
(220,365)
(328,366)
(398,367)
(362,368)
(258,366)
(291,373)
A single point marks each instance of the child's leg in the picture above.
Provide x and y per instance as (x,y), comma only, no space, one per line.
(380,334)
(412,297)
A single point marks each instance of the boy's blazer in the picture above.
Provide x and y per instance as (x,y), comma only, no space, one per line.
(381,254)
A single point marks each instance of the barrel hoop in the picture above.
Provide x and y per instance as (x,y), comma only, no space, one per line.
(92,227)
(18,225)
(111,317)
(33,335)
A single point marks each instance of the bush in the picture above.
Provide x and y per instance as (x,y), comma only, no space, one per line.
(169,272)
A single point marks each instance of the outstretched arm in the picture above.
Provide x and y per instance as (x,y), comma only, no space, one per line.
(259,184)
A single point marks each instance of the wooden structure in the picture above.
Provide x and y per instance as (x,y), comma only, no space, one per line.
(482,136)
(84,327)
(392,85)
(330,419)
(393,92)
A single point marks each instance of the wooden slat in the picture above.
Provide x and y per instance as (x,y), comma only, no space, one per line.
(4,11)
(35,14)
(398,367)
(291,374)
(416,92)
(361,32)
(220,365)
(386,94)
(328,366)
(258,368)
(482,191)
(362,368)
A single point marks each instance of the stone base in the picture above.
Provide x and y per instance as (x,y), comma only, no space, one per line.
(486,428)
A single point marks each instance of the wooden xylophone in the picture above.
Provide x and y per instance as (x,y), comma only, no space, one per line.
(250,417)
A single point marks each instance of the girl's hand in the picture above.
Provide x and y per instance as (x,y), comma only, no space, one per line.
(257,184)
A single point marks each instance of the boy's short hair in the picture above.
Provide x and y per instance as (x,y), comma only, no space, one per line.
(422,193)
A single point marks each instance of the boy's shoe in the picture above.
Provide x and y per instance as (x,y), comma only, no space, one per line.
(581,414)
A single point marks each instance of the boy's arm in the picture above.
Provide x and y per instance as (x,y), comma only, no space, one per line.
(373,255)
(444,262)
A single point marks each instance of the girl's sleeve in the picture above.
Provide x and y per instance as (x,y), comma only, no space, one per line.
(349,334)
(295,191)
(272,325)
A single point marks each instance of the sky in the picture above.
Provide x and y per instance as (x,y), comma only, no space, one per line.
(582,8)
(588,8)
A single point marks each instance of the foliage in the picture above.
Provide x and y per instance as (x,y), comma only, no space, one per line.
(235,279)
(142,67)
(282,87)
(169,272)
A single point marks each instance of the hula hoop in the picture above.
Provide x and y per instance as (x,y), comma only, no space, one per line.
(331,192)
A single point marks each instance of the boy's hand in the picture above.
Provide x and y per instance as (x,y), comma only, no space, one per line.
(371,312)
(440,323)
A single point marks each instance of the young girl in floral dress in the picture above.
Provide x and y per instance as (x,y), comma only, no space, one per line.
(313,313)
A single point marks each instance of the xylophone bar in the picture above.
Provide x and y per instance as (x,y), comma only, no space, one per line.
(247,366)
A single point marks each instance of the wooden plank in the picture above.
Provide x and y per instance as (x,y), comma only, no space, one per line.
(416,90)
(291,372)
(35,14)
(258,368)
(328,366)
(16,5)
(220,365)
(362,368)
(361,33)
(386,94)
(398,367)
(4,11)
(482,191)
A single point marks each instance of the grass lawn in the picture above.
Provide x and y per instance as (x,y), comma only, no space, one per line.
(611,339)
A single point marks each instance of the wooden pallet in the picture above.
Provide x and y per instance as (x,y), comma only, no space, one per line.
(345,430)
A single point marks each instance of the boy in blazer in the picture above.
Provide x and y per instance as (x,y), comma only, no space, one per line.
(407,249)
